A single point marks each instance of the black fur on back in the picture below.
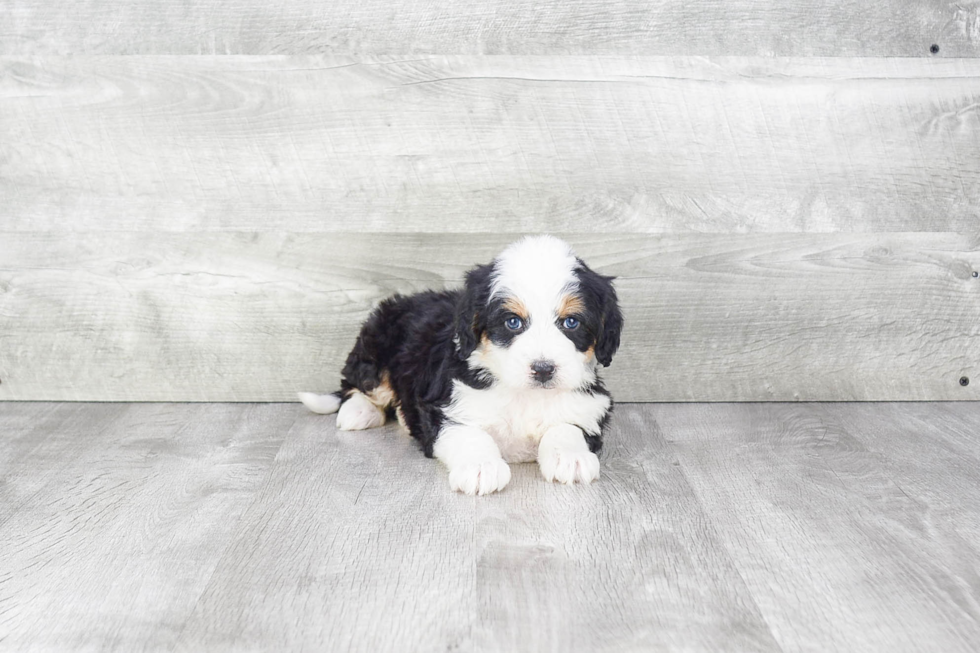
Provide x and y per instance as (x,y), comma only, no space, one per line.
(413,338)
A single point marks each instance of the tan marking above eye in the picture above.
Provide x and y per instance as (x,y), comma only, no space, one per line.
(516,307)
(570,305)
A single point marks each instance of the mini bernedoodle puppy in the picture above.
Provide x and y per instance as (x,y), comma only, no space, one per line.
(503,370)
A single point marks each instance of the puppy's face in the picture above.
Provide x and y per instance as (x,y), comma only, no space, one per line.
(538,317)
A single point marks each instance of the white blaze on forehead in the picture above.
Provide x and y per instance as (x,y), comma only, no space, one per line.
(538,270)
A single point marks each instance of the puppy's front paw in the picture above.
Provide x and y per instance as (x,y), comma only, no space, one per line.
(480,478)
(564,466)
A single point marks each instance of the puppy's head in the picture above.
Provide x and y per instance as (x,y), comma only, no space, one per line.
(538,317)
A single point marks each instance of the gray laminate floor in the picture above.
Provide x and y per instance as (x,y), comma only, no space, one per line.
(821,527)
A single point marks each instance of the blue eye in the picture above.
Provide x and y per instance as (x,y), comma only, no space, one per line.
(570,323)
(514,323)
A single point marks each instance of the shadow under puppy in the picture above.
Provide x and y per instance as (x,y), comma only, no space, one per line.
(503,370)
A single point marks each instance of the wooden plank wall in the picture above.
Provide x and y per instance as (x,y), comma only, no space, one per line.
(203,203)
(830,28)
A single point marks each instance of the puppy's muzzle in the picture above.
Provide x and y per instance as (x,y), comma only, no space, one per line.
(543,370)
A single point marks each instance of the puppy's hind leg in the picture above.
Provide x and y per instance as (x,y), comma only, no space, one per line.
(365,388)
(358,412)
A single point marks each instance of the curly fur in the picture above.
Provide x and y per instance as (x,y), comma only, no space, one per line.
(464,383)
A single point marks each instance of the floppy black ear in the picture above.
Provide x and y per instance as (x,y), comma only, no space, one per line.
(612,323)
(469,319)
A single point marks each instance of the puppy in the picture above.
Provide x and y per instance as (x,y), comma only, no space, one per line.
(502,371)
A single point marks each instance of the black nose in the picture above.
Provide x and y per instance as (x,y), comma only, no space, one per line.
(543,370)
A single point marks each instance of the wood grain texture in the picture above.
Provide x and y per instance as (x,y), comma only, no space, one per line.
(259,316)
(125,519)
(350,545)
(547,583)
(795,494)
(38,441)
(703,27)
(489,144)
(948,442)
(383,558)
(742,527)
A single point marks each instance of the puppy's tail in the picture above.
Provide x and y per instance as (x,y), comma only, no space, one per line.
(323,404)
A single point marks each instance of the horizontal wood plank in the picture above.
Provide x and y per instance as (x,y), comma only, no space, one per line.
(259,316)
(508,144)
(703,27)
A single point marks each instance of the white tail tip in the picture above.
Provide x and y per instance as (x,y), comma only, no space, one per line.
(323,404)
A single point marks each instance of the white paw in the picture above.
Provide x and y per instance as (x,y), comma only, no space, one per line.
(564,466)
(358,413)
(480,478)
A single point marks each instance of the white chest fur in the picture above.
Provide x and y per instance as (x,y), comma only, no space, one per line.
(516,419)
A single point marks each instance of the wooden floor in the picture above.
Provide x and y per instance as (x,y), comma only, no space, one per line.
(743,527)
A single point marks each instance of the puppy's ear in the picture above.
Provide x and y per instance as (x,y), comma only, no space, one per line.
(470,320)
(611,323)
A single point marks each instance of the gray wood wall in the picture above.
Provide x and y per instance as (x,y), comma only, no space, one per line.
(789,192)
